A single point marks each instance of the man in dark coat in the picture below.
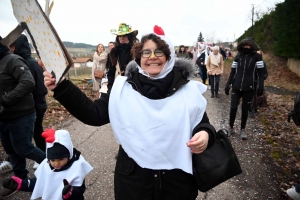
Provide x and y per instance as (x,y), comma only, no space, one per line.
(17,113)
(21,48)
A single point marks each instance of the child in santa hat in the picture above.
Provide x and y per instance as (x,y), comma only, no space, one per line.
(61,175)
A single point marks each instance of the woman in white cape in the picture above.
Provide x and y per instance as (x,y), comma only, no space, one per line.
(158,117)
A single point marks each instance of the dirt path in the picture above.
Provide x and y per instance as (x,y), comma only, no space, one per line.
(98,146)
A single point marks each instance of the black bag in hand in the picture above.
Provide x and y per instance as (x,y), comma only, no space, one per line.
(216,164)
(295,113)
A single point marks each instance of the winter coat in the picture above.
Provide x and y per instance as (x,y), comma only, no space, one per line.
(195,54)
(183,54)
(201,59)
(99,63)
(16,86)
(223,53)
(131,181)
(119,54)
(214,69)
(40,91)
(245,67)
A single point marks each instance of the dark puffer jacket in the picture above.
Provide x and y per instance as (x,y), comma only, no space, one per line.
(40,91)
(246,67)
(16,86)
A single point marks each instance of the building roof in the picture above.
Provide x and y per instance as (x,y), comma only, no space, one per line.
(82,60)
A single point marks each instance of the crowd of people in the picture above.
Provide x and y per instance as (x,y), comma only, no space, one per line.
(147,77)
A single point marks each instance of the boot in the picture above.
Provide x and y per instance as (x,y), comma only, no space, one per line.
(217,95)
(212,96)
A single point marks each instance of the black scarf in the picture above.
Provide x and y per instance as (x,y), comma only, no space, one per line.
(123,52)
(246,50)
(155,88)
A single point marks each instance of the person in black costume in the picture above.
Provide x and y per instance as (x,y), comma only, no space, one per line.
(242,81)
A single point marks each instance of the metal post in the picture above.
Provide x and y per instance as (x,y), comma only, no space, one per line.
(252,20)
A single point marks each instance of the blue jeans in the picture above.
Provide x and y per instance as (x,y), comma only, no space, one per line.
(200,71)
(16,137)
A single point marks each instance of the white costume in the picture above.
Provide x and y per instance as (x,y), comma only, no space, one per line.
(49,184)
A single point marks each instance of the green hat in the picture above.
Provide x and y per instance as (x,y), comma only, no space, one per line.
(124,29)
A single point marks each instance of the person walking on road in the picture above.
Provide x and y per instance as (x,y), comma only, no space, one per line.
(202,67)
(17,113)
(21,47)
(141,105)
(242,81)
(215,69)
(99,64)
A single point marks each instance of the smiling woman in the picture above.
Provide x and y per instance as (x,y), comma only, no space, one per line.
(158,117)
(151,54)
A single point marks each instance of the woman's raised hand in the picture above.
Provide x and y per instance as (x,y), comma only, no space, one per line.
(49,80)
(199,142)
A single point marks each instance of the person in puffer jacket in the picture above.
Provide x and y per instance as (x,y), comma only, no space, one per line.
(242,80)
(17,113)
(21,48)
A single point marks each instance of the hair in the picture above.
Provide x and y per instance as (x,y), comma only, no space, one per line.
(131,37)
(98,46)
(216,48)
(161,45)
(179,50)
(112,43)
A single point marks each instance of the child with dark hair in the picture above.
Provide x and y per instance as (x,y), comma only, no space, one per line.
(61,175)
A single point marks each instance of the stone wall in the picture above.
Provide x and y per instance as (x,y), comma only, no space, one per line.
(294,65)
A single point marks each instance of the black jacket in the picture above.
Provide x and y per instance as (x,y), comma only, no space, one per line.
(244,70)
(131,181)
(201,59)
(40,91)
(121,54)
(223,53)
(16,86)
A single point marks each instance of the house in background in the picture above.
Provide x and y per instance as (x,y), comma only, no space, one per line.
(82,62)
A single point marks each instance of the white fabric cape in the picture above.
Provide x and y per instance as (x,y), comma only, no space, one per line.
(154,132)
(49,184)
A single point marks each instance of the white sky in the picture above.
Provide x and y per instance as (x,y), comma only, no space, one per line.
(90,21)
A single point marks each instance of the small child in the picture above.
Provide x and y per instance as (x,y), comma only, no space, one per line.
(61,175)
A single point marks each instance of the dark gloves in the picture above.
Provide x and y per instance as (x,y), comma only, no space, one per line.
(259,92)
(227,89)
(13,183)
(67,190)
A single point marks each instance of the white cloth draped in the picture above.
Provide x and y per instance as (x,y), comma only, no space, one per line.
(154,132)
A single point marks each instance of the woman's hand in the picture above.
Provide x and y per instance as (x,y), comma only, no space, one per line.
(49,80)
(209,73)
(199,142)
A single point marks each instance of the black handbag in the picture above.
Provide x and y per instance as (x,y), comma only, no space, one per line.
(216,164)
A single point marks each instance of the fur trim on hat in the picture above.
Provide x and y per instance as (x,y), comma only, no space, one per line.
(248,42)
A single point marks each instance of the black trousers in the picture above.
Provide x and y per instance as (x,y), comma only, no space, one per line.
(214,83)
(236,95)
(204,73)
(38,129)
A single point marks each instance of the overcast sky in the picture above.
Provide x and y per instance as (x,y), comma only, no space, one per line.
(90,21)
